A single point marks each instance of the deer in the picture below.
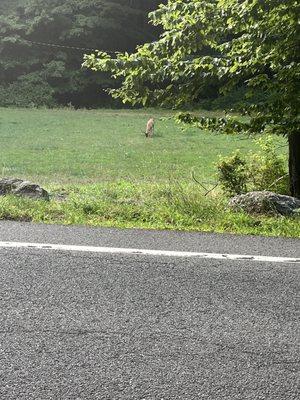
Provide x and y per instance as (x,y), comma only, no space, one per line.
(150,128)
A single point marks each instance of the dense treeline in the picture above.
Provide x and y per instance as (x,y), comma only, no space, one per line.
(36,74)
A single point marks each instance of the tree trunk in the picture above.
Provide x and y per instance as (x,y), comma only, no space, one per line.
(294,164)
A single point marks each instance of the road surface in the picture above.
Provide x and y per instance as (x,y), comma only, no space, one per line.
(99,325)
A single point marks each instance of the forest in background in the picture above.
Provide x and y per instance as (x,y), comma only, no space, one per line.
(33,74)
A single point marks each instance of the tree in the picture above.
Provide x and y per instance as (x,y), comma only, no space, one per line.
(113,25)
(236,42)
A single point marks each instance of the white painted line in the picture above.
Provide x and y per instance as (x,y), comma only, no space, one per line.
(145,252)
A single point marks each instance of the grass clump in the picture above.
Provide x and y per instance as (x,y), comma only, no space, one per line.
(126,204)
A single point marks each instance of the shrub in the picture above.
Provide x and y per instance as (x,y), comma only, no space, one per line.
(232,174)
(229,125)
(265,170)
(28,91)
(186,118)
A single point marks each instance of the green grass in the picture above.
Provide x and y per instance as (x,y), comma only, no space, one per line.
(67,146)
(144,205)
(111,175)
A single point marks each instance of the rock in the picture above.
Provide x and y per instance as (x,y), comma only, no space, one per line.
(22,188)
(7,185)
(265,203)
(31,190)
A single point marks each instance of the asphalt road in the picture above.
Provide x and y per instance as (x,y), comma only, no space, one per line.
(99,326)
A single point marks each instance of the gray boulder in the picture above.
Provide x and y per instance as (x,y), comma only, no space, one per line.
(20,187)
(265,203)
(7,185)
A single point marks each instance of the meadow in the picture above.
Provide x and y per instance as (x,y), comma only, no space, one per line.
(101,171)
(67,146)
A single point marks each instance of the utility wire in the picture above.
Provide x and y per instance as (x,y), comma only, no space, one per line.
(63,46)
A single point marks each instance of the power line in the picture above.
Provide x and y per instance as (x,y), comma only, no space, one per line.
(63,46)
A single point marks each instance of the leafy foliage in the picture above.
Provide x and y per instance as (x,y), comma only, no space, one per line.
(232,174)
(227,124)
(72,23)
(236,43)
(265,170)
(27,91)
(249,42)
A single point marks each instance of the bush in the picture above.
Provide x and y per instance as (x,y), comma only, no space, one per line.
(265,170)
(268,170)
(28,91)
(186,118)
(229,124)
(232,174)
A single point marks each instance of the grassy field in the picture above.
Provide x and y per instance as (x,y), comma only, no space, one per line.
(67,146)
(101,171)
